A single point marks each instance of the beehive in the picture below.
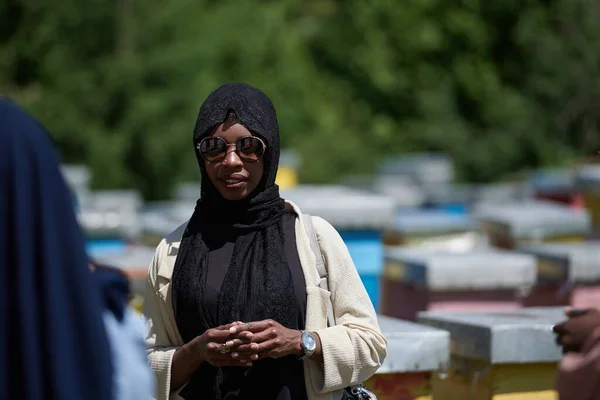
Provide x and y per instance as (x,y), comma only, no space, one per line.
(568,273)
(416,353)
(511,225)
(498,355)
(359,216)
(483,279)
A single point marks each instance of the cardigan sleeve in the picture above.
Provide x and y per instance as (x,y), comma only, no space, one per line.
(160,349)
(355,348)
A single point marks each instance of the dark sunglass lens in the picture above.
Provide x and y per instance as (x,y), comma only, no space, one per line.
(250,148)
(212,149)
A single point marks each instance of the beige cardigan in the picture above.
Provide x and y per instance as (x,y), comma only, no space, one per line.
(353,350)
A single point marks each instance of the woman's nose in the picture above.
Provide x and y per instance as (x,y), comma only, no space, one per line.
(232,159)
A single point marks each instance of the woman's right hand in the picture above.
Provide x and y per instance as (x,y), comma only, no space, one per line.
(210,345)
(204,348)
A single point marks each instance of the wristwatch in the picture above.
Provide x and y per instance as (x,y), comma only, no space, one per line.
(308,344)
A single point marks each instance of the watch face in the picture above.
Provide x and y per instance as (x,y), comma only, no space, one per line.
(308,342)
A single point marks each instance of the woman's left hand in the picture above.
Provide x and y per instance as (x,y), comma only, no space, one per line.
(273,339)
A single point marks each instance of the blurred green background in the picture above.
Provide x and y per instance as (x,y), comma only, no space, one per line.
(499,85)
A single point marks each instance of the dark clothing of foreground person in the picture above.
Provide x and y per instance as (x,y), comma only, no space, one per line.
(54,345)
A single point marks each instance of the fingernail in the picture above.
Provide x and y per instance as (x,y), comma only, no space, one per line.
(234,355)
(229,343)
(254,357)
(244,361)
(232,330)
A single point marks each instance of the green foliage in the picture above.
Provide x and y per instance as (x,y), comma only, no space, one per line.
(499,85)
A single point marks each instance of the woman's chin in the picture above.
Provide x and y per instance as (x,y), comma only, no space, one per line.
(233,194)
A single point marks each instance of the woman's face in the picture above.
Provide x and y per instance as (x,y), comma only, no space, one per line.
(233,177)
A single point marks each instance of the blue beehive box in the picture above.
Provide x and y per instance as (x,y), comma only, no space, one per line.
(360,217)
(449,197)
(366,248)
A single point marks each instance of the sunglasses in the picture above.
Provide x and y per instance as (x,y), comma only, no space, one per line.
(248,148)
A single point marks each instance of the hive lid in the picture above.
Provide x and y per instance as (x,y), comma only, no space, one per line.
(449,193)
(501,337)
(343,207)
(536,219)
(423,168)
(553,180)
(479,269)
(109,224)
(588,177)
(429,221)
(413,347)
(115,200)
(404,192)
(500,193)
(577,262)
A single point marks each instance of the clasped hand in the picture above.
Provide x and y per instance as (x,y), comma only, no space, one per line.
(239,344)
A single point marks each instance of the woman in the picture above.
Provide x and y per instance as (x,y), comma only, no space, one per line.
(233,299)
(54,345)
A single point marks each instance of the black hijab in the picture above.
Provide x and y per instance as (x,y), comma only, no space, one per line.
(258,284)
(52,336)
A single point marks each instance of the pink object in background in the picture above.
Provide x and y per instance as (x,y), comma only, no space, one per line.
(586,296)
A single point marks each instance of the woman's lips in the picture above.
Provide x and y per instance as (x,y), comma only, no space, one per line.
(234,183)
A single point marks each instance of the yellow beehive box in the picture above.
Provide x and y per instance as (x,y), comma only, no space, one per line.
(498,355)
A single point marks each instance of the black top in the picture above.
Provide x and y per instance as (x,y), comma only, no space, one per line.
(277,379)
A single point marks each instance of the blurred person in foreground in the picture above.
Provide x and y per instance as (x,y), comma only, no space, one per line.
(53,341)
(233,297)
(54,314)
(132,378)
(579,371)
